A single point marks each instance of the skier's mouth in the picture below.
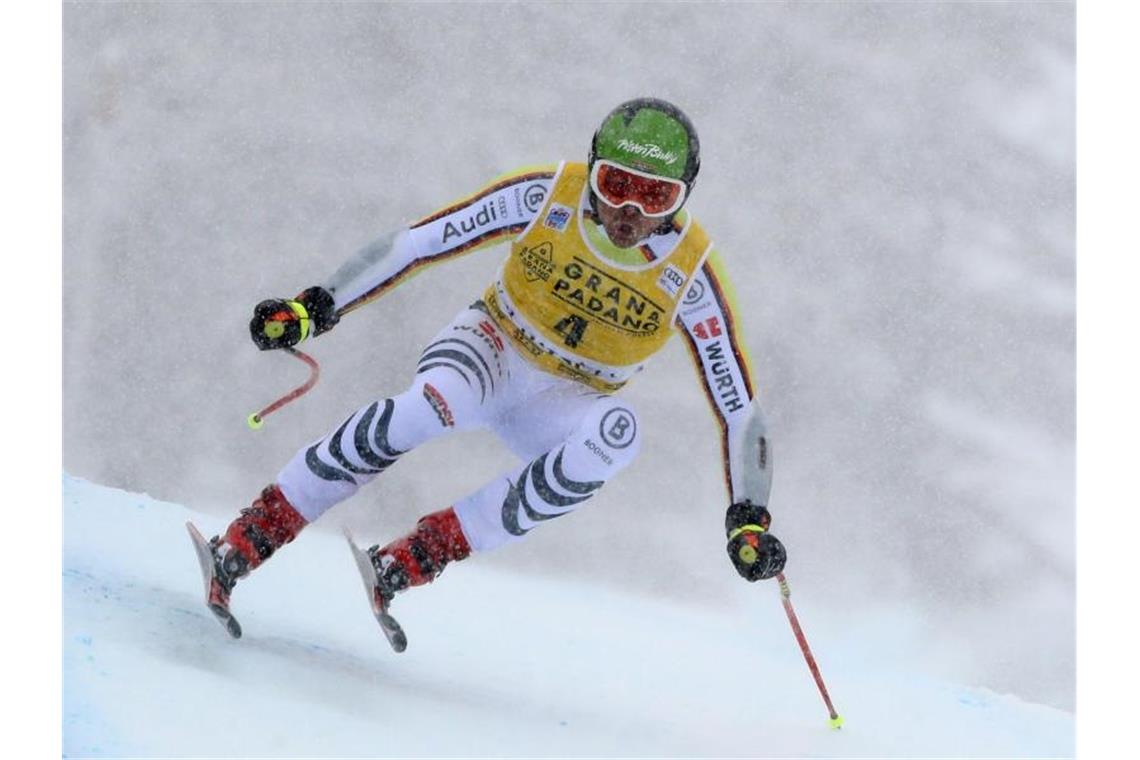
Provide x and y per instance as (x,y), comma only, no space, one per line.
(623,229)
(624,234)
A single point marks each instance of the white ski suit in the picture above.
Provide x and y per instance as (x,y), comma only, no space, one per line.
(569,319)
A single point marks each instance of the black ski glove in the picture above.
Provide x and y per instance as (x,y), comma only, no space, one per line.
(279,323)
(755,553)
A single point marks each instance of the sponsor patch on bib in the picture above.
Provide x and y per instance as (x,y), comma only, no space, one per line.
(558,217)
(671,280)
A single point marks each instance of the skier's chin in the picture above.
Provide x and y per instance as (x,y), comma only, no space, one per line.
(624,235)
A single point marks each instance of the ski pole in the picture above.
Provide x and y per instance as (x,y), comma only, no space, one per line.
(257,419)
(835,720)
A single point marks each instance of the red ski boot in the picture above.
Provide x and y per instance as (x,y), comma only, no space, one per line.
(413,560)
(261,529)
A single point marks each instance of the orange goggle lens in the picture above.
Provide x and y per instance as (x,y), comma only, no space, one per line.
(654,196)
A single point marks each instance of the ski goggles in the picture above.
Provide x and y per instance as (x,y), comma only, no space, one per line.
(618,185)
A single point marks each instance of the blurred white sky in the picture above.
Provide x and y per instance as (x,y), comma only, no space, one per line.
(1107,312)
(891,186)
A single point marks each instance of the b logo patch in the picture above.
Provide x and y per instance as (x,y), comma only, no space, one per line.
(533,197)
(695,294)
(618,428)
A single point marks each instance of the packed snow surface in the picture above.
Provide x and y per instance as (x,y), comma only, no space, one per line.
(891,186)
(498,664)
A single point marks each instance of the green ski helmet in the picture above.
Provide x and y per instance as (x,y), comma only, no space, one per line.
(650,135)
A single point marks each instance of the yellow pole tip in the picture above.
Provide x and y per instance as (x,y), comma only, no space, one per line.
(836,722)
(255,422)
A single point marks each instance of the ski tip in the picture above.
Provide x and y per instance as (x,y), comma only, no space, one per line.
(348,537)
(195,534)
(199,540)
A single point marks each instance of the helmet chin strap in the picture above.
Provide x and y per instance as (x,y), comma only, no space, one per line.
(666,225)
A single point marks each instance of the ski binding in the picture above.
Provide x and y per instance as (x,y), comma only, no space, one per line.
(217,598)
(392,630)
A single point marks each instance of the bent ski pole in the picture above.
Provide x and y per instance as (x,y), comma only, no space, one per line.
(786,596)
(257,419)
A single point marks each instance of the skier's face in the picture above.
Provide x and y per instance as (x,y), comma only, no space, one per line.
(626,226)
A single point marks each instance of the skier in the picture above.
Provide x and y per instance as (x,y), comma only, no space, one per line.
(605,264)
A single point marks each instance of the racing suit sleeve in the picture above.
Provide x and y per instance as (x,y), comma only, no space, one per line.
(500,210)
(708,323)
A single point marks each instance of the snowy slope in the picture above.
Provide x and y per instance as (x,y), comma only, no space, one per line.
(498,664)
(892,186)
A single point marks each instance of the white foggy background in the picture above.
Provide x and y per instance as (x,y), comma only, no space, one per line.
(892,187)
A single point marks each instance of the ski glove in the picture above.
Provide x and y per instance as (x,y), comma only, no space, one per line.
(755,553)
(279,323)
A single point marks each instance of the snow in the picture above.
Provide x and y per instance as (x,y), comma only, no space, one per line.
(499,663)
(891,186)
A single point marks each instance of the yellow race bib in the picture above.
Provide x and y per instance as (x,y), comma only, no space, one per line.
(576,305)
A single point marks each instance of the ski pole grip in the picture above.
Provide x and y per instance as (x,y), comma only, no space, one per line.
(274,329)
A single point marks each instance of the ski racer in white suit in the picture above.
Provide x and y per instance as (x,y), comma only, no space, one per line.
(604,266)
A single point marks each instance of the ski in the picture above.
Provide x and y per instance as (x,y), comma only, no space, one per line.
(217,599)
(392,630)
